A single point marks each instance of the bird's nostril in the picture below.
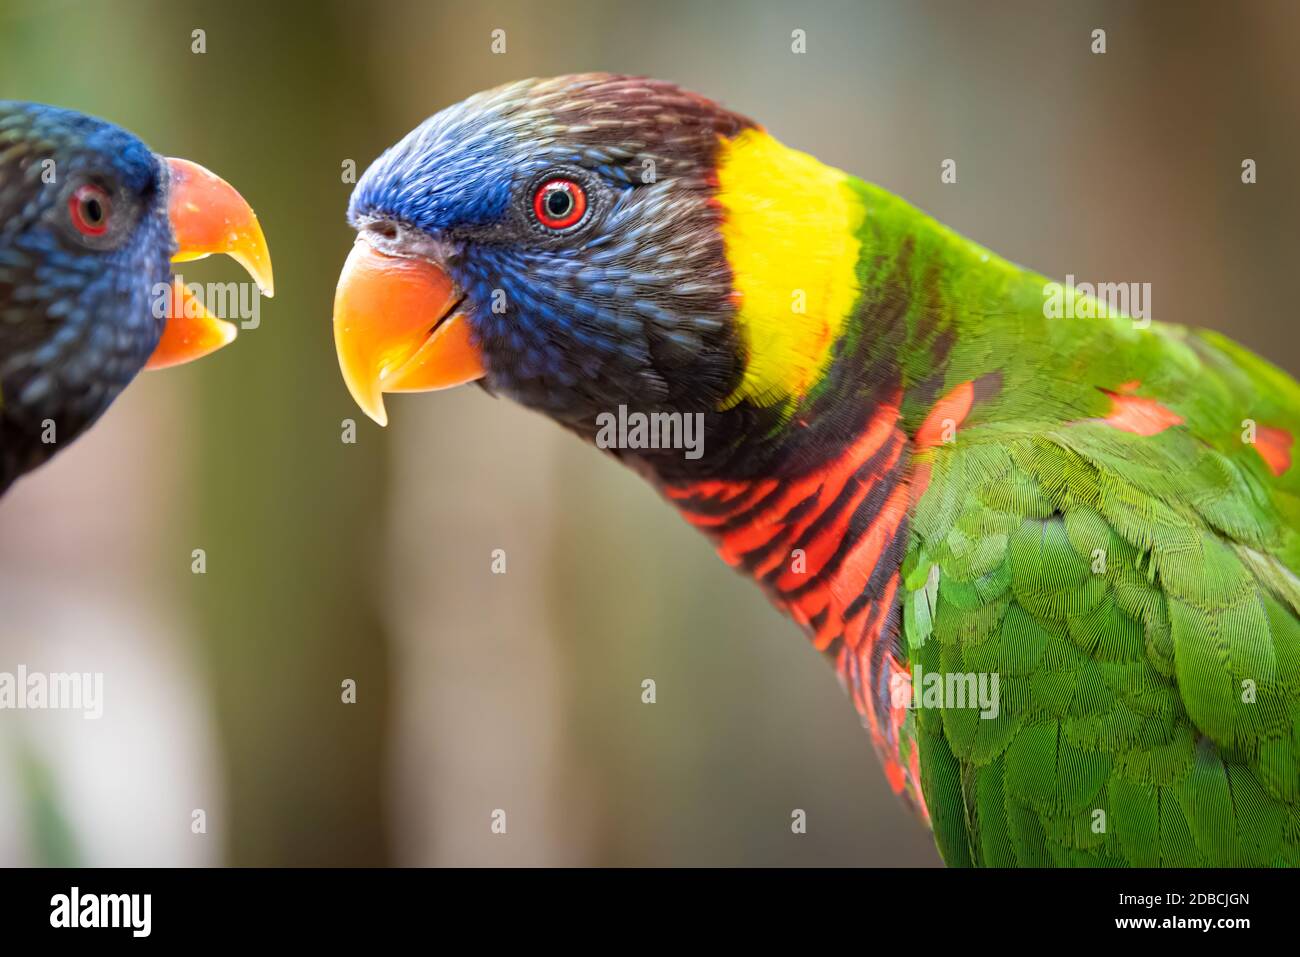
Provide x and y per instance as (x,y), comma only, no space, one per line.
(384,229)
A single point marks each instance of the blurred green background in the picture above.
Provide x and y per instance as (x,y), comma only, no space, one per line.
(329,561)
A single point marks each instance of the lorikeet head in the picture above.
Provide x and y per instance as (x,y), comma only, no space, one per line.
(558,239)
(89,220)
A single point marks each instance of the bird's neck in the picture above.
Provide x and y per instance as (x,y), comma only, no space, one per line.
(826,541)
(816,465)
(847,298)
(859,317)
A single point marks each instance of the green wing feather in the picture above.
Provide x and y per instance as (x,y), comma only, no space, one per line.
(1135,594)
(1148,662)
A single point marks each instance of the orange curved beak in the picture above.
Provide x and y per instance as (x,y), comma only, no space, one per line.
(207,216)
(396,329)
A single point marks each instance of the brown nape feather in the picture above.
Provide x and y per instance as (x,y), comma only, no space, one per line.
(632,119)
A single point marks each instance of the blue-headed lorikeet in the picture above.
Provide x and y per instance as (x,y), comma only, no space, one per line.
(89,220)
(933,477)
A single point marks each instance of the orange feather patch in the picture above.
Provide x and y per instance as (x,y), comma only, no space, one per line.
(948,413)
(1133,413)
(1274,447)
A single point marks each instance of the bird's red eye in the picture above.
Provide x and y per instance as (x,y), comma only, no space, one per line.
(90,208)
(559,203)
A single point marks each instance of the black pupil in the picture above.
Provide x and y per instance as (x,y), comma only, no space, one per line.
(92,211)
(558,203)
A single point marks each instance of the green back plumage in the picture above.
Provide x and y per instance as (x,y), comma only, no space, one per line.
(1135,593)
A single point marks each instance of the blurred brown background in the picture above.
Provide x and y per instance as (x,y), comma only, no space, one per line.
(329,561)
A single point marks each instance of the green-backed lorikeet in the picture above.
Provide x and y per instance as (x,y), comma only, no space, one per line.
(89,220)
(1053,560)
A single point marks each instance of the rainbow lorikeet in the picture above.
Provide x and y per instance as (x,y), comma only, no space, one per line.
(89,220)
(1052,560)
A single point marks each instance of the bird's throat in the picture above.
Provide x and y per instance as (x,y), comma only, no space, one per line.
(827,546)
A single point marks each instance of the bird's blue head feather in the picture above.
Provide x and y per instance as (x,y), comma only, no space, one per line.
(630,304)
(84,241)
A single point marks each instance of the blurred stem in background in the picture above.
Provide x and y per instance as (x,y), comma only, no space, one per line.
(51,841)
(287,513)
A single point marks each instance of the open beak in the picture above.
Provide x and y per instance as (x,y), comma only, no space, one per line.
(397,329)
(207,216)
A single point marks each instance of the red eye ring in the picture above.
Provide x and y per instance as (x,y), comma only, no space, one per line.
(559,203)
(90,207)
